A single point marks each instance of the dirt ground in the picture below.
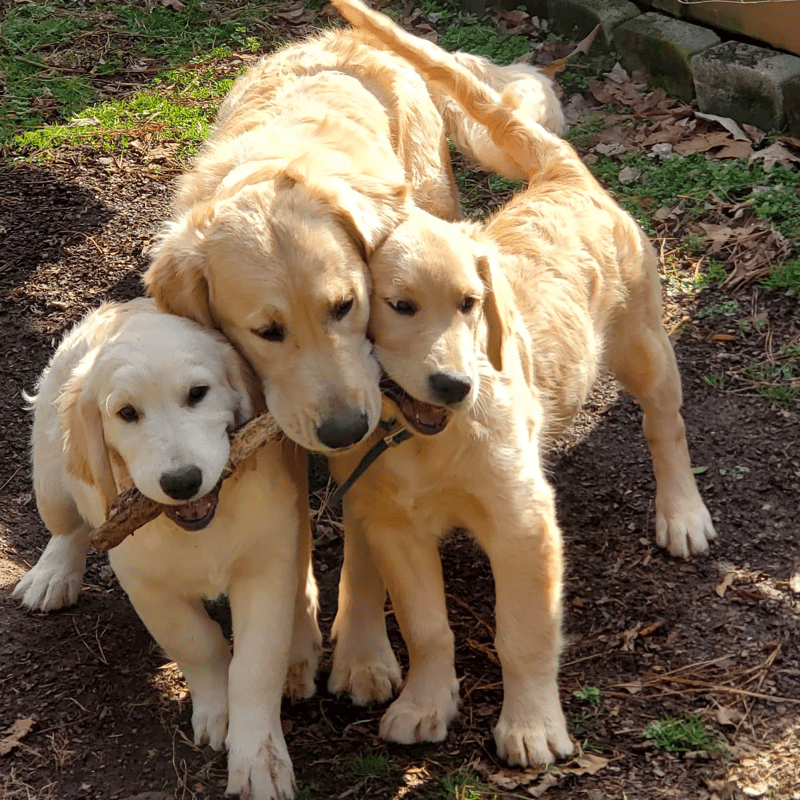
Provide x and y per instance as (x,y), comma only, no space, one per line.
(106,716)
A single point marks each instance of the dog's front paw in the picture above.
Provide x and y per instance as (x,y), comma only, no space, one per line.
(260,772)
(536,738)
(370,681)
(300,683)
(210,723)
(684,529)
(49,585)
(416,718)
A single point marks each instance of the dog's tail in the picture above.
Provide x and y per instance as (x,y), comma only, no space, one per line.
(534,151)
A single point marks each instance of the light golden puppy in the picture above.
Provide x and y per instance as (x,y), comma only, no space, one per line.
(318,151)
(493,336)
(135,396)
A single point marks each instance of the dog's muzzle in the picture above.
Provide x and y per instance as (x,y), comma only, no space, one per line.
(197,514)
(424,418)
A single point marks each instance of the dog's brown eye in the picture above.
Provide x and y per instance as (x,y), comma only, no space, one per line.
(467,304)
(272,332)
(196,394)
(404,307)
(341,310)
(128,414)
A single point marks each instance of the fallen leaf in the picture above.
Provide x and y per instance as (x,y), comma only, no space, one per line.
(776,153)
(735,150)
(730,125)
(16,733)
(728,716)
(174,4)
(588,764)
(727,581)
(584,45)
(548,780)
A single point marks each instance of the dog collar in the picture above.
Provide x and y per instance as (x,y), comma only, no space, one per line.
(397,436)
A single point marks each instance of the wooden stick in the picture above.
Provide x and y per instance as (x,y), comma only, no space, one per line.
(131,509)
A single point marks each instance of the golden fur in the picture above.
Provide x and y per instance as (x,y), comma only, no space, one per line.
(318,151)
(504,327)
(135,396)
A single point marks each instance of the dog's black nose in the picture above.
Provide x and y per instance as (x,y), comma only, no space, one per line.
(182,483)
(343,428)
(449,387)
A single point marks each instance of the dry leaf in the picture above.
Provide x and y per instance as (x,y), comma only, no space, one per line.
(548,780)
(174,4)
(728,716)
(584,45)
(727,581)
(588,764)
(727,123)
(735,150)
(16,733)
(776,153)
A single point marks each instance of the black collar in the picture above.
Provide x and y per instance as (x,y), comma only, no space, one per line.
(392,439)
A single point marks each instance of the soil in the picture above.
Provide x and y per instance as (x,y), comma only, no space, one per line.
(109,716)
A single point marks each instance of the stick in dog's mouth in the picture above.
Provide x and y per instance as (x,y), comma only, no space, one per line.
(131,510)
(425,418)
(196,514)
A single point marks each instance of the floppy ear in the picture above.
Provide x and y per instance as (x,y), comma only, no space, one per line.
(368,210)
(499,313)
(84,443)
(246,384)
(176,276)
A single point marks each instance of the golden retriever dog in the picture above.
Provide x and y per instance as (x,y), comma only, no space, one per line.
(135,396)
(492,337)
(319,152)
(316,152)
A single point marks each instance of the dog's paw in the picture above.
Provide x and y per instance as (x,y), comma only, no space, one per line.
(300,683)
(210,723)
(684,530)
(420,718)
(260,772)
(539,738)
(49,586)
(367,682)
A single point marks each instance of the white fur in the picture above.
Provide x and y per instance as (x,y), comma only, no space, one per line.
(256,549)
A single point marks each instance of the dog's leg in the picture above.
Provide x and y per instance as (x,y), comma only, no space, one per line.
(189,636)
(526,561)
(55,580)
(643,360)
(364,666)
(307,639)
(259,766)
(412,570)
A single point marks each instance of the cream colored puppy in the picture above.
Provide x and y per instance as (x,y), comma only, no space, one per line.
(318,153)
(135,396)
(493,336)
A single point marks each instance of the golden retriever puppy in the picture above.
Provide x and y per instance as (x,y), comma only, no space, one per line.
(135,396)
(493,336)
(317,151)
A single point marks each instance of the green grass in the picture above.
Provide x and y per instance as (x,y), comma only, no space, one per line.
(696,181)
(784,276)
(588,694)
(463,784)
(178,105)
(728,308)
(580,134)
(368,766)
(56,58)
(461,31)
(683,735)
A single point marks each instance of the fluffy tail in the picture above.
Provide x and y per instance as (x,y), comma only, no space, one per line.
(526,149)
